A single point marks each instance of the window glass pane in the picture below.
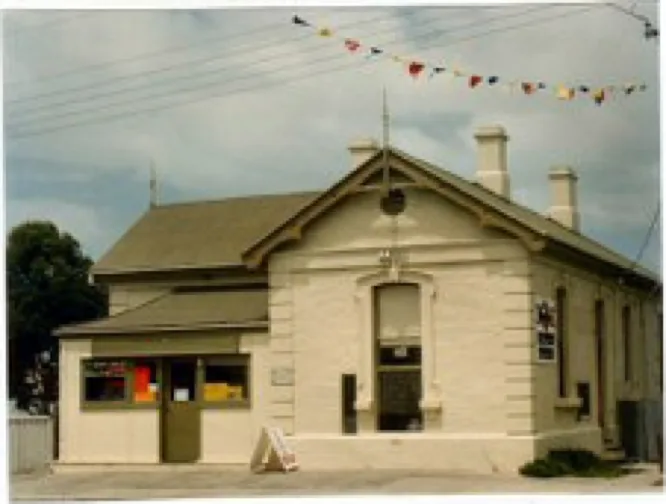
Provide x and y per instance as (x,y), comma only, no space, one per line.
(145,381)
(224,381)
(400,393)
(400,355)
(104,380)
(102,388)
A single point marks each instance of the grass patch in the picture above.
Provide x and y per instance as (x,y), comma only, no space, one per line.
(578,463)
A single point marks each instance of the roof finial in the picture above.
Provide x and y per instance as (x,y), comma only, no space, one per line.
(385,142)
(153,184)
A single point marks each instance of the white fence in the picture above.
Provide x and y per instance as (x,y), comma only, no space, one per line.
(30,442)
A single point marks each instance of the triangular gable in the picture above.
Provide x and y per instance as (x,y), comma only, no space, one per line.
(368,177)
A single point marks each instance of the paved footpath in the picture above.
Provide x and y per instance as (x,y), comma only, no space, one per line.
(236,482)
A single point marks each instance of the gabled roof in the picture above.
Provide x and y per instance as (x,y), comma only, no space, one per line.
(184,311)
(534,229)
(243,231)
(198,235)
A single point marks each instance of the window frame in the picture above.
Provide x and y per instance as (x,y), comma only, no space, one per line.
(561,323)
(244,360)
(127,403)
(551,330)
(627,350)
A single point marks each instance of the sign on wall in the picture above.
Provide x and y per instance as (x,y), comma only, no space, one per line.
(546,332)
(282,376)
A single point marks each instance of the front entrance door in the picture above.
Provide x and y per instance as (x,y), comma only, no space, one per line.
(180,419)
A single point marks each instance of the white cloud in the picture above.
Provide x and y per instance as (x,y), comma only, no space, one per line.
(294,136)
(81,222)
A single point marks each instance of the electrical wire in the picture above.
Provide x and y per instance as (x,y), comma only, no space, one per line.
(238,50)
(105,65)
(26,133)
(209,59)
(646,240)
(23,29)
(188,77)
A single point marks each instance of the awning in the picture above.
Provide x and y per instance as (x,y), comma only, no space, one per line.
(184,311)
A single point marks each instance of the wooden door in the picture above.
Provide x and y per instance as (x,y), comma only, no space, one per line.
(181,417)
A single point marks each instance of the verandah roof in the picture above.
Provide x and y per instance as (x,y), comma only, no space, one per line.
(184,311)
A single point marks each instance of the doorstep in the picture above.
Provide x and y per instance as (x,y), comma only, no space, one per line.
(74,468)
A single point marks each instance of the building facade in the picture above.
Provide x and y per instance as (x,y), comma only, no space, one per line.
(402,318)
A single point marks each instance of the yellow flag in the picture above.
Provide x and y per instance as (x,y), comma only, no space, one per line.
(325,32)
(564,93)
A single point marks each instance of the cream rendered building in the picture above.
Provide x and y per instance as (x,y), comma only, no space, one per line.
(400,335)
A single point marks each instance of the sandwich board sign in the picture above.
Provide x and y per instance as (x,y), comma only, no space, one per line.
(272,452)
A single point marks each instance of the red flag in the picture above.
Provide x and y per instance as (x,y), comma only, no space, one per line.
(415,68)
(352,45)
(528,87)
(475,80)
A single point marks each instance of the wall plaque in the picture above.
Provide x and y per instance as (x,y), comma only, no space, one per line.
(282,376)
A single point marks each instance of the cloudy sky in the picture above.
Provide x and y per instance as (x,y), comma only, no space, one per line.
(235,102)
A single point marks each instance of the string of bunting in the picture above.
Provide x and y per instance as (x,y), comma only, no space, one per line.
(417,68)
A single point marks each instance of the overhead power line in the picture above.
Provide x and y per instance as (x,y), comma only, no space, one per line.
(648,236)
(239,50)
(650,30)
(105,65)
(89,100)
(49,23)
(27,132)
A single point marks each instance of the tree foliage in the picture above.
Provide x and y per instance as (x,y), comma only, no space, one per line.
(47,287)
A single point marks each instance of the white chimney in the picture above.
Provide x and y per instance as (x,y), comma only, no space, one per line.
(563,197)
(492,171)
(361,150)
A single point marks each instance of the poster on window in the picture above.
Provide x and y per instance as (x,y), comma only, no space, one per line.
(546,333)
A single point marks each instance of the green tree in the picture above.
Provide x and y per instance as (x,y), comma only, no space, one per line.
(47,286)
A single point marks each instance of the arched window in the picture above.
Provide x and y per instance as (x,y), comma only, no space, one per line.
(397,323)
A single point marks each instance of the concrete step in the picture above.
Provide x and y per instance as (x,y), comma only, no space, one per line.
(613,454)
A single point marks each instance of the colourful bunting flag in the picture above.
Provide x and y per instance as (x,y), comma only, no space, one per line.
(435,71)
(352,45)
(415,68)
(565,93)
(475,80)
(299,21)
(528,87)
(599,96)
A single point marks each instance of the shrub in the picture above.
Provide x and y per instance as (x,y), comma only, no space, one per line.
(570,462)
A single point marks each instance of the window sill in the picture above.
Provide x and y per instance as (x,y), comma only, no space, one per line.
(430,404)
(363,404)
(114,406)
(238,404)
(570,402)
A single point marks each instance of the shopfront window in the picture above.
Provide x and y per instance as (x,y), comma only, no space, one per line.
(105,381)
(145,382)
(226,379)
(119,382)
